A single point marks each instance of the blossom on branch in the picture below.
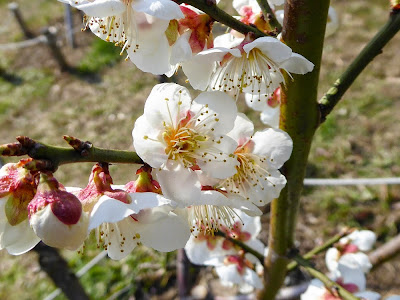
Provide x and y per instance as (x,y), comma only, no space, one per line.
(248,65)
(178,135)
(257,178)
(232,264)
(17,189)
(57,216)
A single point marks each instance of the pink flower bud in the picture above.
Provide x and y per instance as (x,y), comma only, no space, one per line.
(17,188)
(56,216)
(100,184)
(201,27)
(144,182)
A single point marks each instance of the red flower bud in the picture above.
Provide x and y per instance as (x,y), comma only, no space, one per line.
(56,216)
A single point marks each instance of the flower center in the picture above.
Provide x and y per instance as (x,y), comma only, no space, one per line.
(250,175)
(250,72)
(211,218)
(181,143)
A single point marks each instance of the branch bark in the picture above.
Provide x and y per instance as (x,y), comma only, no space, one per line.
(210,8)
(57,269)
(63,155)
(370,51)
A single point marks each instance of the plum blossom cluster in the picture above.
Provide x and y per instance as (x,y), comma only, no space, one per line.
(232,264)
(207,164)
(159,36)
(348,265)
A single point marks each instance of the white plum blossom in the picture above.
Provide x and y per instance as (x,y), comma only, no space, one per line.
(349,251)
(178,135)
(257,178)
(147,220)
(254,66)
(137,26)
(353,280)
(17,189)
(232,265)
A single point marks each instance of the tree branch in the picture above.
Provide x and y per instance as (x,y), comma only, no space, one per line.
(269,15)
(210,8)
(370,51)
(321,248)
(385,252)
(303,31)
(332,286)
(83,152)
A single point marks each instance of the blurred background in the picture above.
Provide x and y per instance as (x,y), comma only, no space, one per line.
(100,99)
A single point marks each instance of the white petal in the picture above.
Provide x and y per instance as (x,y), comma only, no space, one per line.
(251,277)
(109,210)
(181,50)
(227,41)
(221,104)
(270,116)
(368,295)
(333,22)
(18,239)
(167,103)
(199,69)
(199,254)
(274,49)
(179,184)
(152,56)
(221,168)
(363,239)
(146,144)
(354,276)
(357,260)
(242,130)
(55,233)
(162,9)
(229,273)
(256,102)
(168,233)
(297,64)
(331,259)
(101,8)
(315,290)
(274,144)
(116,248)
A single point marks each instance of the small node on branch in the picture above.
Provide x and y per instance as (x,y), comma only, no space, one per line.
(12,149)
(40,165)
(78,145)
(26,142)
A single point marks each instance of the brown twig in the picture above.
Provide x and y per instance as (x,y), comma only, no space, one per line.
(385,252)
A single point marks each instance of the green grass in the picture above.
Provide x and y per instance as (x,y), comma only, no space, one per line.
(100,55)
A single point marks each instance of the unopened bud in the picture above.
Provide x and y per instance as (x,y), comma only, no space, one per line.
(144,182)
(100,184)
(56,216)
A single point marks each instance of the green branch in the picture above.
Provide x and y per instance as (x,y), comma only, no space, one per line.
(303,31)
(210,8)
(242,245)
(330,285)
(370,51)
(321,248)
(269,15)
(81,152)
